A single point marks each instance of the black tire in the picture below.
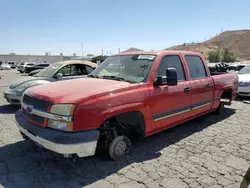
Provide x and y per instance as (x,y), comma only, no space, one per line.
(24,136)
(219,109)
(119,147)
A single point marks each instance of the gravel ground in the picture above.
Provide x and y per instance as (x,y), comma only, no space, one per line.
(212,151)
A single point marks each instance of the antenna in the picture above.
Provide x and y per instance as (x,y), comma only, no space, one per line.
(82,48)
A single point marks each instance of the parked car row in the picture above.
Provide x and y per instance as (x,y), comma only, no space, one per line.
(126,97)
(8,65)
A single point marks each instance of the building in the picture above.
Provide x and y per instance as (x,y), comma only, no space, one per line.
(29,58)
(40,58)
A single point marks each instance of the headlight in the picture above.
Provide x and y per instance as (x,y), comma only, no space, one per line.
(60,125)
(22,87)
(63,109)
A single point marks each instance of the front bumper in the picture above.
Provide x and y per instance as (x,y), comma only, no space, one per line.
(82,144)
(13,97)
(244,91)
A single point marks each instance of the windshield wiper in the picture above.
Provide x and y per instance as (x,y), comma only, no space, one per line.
(92,76)
(117,78)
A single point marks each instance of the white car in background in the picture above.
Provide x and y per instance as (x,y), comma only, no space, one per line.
(5,66)
(244,81)
(22,66)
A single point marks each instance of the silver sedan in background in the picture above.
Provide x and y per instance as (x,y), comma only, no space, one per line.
(63,70)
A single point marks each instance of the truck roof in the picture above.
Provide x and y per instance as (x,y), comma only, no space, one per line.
(162,52)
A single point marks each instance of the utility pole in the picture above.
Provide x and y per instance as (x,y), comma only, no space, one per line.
(102,52)
(82,48)
(118,50)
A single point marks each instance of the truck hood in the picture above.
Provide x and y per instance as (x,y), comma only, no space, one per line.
(244,77)
(78,90)
(25,79)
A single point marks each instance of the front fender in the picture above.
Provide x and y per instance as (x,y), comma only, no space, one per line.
(113,111)
(92,116)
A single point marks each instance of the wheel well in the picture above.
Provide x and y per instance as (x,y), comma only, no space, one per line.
(130,124)
(227,94)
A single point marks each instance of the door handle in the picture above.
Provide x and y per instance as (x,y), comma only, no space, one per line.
(187,90)
(208,86)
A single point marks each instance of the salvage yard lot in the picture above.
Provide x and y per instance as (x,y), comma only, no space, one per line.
(212,151)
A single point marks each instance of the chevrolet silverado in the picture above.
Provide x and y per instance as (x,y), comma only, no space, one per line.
(146,93)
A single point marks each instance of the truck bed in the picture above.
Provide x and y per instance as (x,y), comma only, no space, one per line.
(224,81)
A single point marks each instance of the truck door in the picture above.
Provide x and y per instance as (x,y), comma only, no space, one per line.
(170,104)
(201,85)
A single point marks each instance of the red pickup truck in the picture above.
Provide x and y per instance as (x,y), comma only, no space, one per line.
(129,95)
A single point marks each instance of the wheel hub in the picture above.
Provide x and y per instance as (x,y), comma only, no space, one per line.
(120,148)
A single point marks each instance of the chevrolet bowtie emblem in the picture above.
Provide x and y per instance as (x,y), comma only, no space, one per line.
(29,108)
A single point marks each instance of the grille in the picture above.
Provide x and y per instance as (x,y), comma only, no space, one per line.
(34,118)
(244,84)
(37,103)
(244,93)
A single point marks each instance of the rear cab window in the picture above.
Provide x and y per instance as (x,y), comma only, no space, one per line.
(196,67)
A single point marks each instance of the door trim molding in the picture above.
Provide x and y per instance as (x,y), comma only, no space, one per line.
(170,113)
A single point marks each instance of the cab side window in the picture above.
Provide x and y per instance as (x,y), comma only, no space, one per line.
(196,67)
(171,61)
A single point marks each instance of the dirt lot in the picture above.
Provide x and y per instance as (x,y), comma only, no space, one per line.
(213,151)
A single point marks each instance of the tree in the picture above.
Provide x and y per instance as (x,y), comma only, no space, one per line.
(228,56)
(214,56)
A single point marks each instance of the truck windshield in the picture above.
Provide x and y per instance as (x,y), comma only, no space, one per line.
(47,72)
(245,70)
(130,68)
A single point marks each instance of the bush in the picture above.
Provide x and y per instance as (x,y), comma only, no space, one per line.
(224,56)
(228,56)
(98,58)
(214,57)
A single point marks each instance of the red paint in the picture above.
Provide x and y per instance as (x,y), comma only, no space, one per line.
(99,99)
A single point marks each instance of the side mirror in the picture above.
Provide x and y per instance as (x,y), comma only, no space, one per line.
(160,80)
(172,79)
(58,76)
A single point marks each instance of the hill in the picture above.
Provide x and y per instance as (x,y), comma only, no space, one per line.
(236,41)
(132,50)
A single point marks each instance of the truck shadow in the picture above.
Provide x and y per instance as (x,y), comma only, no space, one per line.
(246,180)
(22,165)
(9,109)
(245,100)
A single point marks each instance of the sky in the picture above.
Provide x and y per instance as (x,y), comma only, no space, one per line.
(90,26)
